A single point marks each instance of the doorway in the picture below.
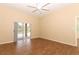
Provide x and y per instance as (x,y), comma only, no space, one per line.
(22,36)
(22,31)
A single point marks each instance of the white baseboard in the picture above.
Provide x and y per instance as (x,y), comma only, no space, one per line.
(61,42)
(46,39)
(13,41)
(6,42)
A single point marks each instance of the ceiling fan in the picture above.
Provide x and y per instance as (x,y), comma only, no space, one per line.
(39,9)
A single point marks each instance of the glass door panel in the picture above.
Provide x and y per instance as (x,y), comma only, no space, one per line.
(20,30)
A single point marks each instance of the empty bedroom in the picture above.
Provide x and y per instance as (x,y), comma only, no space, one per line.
(39,28)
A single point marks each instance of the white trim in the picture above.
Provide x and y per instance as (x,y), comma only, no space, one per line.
(7,42)
(59,41)
(76,37)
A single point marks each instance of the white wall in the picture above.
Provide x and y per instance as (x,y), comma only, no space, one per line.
(7,18)
(59,25)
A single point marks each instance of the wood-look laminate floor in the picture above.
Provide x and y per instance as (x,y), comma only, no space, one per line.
(38,47)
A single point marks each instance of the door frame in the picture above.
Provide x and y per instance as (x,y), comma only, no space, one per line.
(76,32)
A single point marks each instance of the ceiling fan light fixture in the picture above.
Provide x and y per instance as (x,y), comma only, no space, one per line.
(40,8)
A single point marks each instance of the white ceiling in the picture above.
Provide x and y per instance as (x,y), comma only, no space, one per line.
(23,7)
(22,4)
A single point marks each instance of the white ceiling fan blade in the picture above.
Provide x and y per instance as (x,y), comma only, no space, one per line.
(45,9)
(34,11)
(45,5)
(31,6)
